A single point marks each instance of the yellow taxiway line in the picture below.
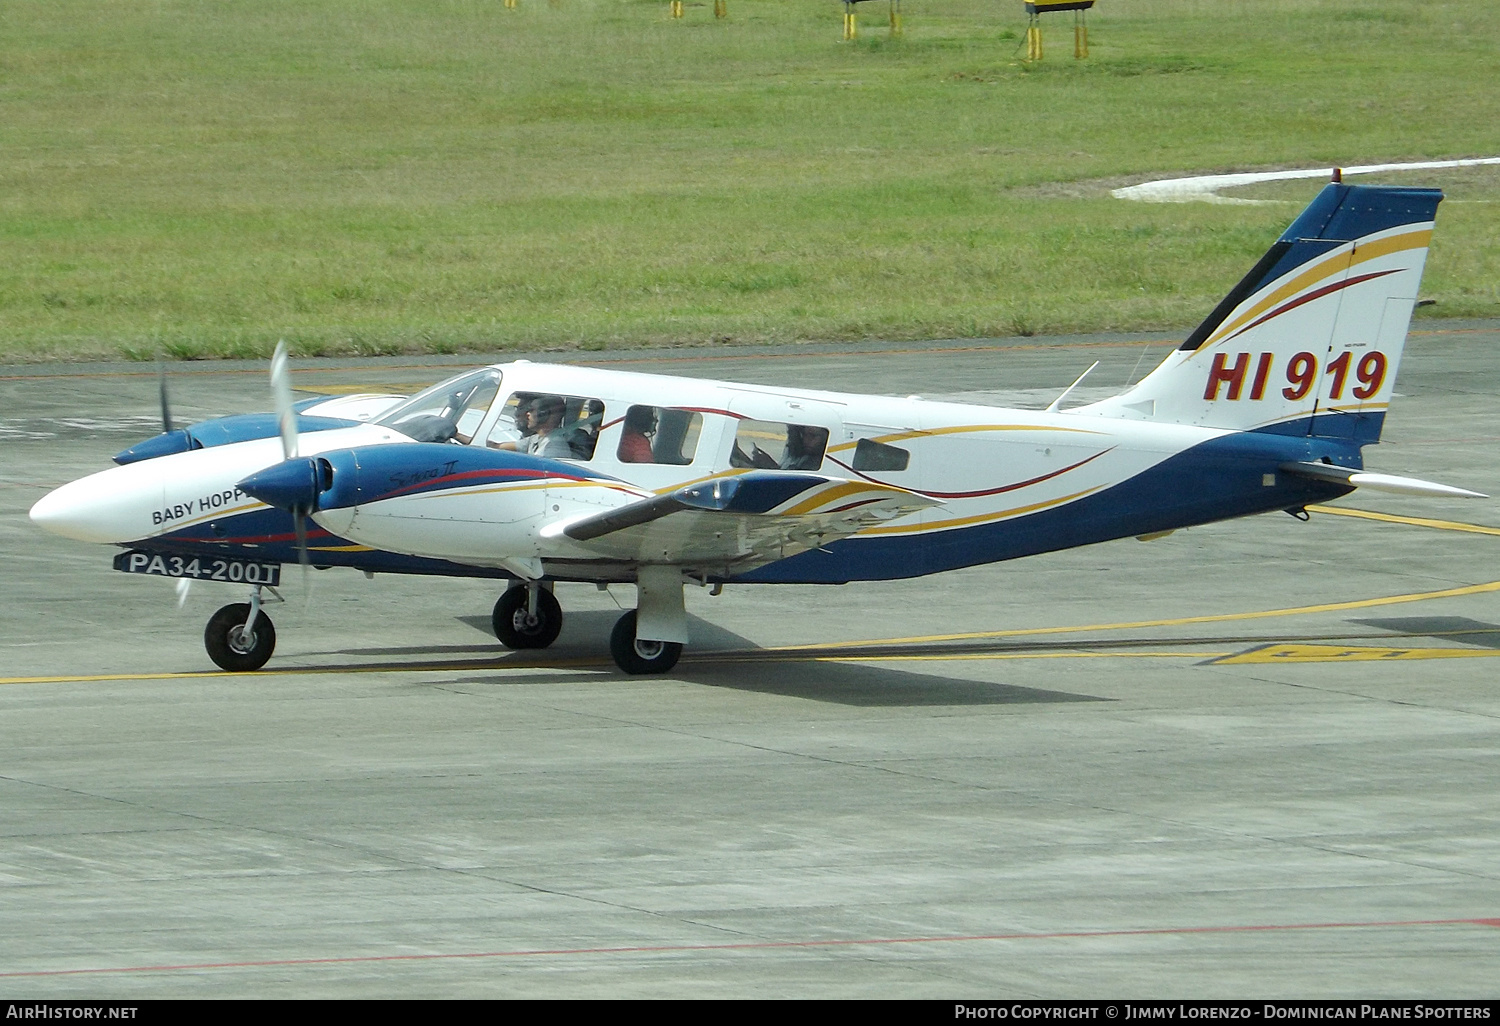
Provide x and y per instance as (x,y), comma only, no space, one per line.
(1327,607)
(1391,518)
(1176,621)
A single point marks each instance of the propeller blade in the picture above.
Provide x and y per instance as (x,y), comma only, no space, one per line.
(299,524)
(281,394)
(184,585)
(166,404)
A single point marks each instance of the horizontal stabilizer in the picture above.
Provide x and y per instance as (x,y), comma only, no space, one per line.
(1377,482)
(746,520)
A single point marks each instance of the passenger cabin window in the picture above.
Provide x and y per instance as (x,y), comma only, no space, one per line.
(767,445)
(877,456)
(655,434)
(449,411)
(559,427)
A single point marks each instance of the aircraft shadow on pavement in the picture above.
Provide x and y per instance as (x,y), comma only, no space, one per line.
(1449,628)
(720,658)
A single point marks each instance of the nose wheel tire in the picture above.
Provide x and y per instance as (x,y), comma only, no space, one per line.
(230,647)
(635,656)
(517,628)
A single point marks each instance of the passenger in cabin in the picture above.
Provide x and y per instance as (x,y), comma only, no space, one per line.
(546,420)
(804,447)
(635,436)
(583,438)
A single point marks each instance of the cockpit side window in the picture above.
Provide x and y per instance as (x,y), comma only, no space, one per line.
(450,411)
(559,427)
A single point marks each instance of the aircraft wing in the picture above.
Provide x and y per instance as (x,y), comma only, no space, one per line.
(738,522)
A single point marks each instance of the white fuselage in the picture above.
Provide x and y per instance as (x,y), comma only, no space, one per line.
(982,466)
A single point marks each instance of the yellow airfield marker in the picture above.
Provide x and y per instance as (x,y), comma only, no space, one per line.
(1349,654)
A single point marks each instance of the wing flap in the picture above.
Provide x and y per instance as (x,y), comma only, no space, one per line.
(741,521)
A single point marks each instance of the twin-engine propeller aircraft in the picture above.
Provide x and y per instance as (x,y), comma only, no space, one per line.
(539,473)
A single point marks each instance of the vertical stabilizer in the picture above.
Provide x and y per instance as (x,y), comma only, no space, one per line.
(1310,340)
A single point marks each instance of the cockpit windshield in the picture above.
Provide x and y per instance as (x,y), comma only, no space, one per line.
(451,410)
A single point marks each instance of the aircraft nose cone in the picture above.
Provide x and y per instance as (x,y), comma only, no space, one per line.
(74,512)
(117,505)
(51,512)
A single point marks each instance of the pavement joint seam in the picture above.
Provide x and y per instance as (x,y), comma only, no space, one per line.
(835,943)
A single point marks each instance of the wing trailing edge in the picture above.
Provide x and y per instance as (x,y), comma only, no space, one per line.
(748,519)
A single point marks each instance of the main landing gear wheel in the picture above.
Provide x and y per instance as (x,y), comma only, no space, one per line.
(635,656)
(515,625)
(231,646)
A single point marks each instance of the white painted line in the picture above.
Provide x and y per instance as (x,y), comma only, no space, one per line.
(1204,188)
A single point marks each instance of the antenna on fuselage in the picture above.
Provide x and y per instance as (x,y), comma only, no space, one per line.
(1058,401)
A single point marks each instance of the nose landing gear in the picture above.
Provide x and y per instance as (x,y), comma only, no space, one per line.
(527,616)
(240,637)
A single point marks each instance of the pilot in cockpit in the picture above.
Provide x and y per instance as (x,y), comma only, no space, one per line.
(546,438)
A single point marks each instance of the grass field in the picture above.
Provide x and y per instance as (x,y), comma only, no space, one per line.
(377,176)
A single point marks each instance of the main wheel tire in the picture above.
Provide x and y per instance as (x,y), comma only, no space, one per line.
(635,656)
(227,643)
(516,628)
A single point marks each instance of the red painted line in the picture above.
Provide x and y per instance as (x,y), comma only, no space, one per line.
(314,533)
(205,368)
(758,946)
(675,358)
(851,505)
